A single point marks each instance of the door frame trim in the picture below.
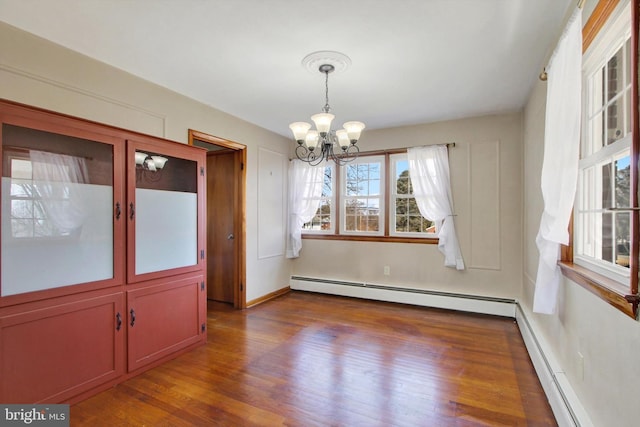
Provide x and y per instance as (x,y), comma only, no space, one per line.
(239,288)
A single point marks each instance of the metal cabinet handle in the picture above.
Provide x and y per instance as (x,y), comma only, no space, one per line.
(133,317)
(118,210)
(132,211)
(231,237)
(118,321)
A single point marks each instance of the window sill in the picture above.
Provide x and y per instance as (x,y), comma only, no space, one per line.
(386,239)
(612,292)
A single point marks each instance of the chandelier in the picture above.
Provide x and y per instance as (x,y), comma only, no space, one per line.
(316,146)
(149,166)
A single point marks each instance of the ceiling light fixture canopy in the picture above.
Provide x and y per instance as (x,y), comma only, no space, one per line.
(315,146)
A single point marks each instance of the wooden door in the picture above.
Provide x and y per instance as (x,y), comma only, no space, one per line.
(222,188)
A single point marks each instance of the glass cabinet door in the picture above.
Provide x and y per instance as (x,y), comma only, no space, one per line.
(163,210)
(59,207)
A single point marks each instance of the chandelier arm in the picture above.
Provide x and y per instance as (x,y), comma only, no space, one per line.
(352,150)
(310,156)
(346,155)
(317,161)
(304,154)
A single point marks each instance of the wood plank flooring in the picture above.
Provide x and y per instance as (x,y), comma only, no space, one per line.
(307,359)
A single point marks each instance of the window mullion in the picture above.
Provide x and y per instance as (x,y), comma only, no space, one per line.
(389,215)
(635,151)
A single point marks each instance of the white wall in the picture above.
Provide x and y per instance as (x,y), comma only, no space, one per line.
(584,324)
(486,184)
(36,72)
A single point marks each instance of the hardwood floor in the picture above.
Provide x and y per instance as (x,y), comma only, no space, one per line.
(307,359)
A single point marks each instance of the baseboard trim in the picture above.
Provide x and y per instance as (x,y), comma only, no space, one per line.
(565,405)
(268,297)
(423,297)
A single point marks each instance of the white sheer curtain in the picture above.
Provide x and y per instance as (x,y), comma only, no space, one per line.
(58,180)
(429,173)
(305,189)
(560,163)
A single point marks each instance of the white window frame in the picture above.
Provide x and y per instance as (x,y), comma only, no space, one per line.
(344,197)
(613,36)
(330,199)
(393,173)
(34,200)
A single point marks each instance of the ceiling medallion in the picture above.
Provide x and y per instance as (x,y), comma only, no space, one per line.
(339,61)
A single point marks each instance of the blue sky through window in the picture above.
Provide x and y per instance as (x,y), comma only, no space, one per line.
(623,162)
(401,166)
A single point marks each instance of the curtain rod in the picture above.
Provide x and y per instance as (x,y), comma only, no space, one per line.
(27,150)
(543,74)
(403,150)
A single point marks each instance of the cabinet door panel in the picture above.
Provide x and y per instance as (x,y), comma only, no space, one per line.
(165,213)
(51,354)
(163,319)
(61,189)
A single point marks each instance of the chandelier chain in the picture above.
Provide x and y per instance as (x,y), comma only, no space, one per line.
(326,108)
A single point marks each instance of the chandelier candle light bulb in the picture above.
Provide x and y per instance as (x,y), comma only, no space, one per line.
(140,158)
(152,163)
(354,129)
(159,161)
(323,122)
(309,140)
(343,138)
(299,130)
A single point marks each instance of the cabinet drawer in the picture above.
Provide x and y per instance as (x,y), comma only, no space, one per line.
(51,354)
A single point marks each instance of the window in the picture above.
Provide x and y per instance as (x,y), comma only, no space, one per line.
(323,221)
(602,255)
(29,218)
(602,236)
(370,198)
(406,219)
(362,189)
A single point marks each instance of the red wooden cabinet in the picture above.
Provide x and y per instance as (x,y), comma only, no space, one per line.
(51,353)
(98,225)
(164,318)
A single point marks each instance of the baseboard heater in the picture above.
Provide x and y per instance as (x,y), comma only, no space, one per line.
(423,297)
(564,402)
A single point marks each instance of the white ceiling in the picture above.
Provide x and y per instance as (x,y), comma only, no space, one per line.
(413,61)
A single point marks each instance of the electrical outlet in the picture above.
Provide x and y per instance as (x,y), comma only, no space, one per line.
(387,270)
